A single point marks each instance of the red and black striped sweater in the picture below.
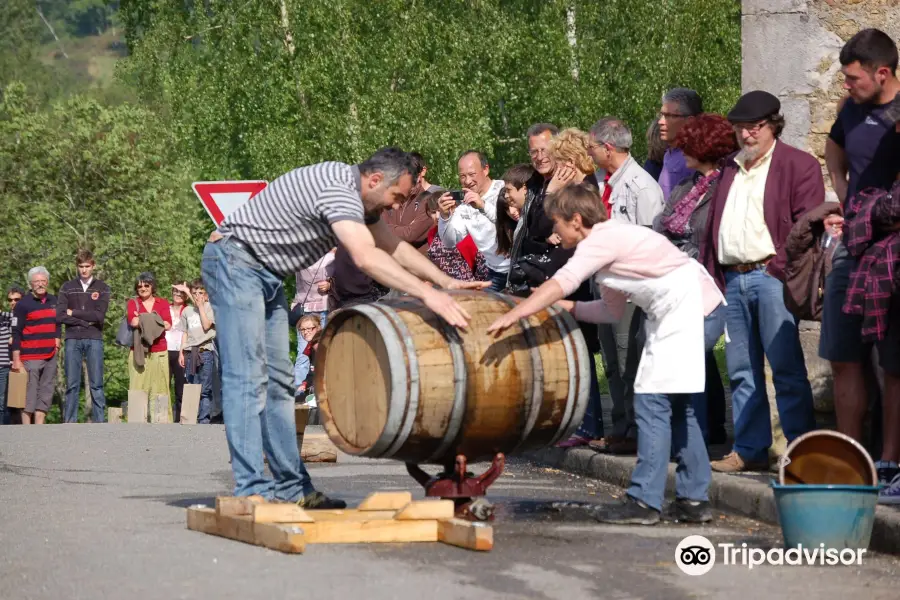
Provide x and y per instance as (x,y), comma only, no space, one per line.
(36,330)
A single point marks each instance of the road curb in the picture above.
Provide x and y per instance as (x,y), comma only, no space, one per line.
(734,493)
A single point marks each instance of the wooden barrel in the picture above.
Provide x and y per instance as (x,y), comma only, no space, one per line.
(394,381)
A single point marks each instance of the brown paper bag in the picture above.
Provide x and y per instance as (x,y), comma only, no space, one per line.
(18,385)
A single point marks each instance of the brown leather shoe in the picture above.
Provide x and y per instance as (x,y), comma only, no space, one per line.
(733,463)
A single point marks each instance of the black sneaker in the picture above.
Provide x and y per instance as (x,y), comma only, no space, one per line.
(629,512)
(320,500)
(691,511)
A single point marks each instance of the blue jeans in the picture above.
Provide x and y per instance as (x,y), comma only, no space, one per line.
(91,351)
(759,326)
(713,326)
(257,395)
(4,386)
(204,377)
(666,423)
(498,280)
(592,425)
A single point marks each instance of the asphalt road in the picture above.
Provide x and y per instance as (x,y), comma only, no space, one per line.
(97,511)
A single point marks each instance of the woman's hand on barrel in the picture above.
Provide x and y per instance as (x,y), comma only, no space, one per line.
(457,284)
(443,305)
(567,305)
(504,322)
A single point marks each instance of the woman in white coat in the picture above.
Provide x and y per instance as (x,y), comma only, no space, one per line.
(634,263)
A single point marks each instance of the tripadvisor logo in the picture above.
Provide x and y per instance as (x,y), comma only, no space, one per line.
(696,555)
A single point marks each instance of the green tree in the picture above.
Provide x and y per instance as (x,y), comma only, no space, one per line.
(255,89)
(82,175)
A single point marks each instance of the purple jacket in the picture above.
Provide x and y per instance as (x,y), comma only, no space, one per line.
(793,187)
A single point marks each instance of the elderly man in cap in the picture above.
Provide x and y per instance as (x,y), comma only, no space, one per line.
(764,190)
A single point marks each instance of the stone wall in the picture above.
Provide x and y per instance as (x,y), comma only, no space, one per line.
(790,48)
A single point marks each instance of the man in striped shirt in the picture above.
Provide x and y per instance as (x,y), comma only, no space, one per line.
(285,228)
(35,343)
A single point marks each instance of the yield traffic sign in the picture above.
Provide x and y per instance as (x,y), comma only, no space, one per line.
(221,198)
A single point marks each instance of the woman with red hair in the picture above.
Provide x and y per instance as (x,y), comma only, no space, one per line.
(706,141)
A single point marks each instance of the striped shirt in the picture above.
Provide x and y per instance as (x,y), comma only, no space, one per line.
(36,330)
(6,325)
(288,224)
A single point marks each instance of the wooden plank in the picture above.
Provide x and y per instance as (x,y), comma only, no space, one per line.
(466,534)
(426,509)
(386,501)
(137,406)
(316,447)
(190,403)
(372,531)
(160,409)
(301,417)
(243,529)
(114,414)
(234,505)
(279,513)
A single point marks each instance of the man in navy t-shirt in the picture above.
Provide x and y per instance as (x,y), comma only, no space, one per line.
(863,151)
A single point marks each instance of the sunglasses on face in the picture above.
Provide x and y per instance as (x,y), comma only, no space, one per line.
(14,300)
(143,285)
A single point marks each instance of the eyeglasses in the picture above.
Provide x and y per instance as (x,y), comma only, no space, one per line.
(143,285)
(14,300)
(308,329)
(753,129)
(538,152)
(668,115)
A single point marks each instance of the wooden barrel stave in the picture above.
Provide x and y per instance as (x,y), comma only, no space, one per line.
(471,393)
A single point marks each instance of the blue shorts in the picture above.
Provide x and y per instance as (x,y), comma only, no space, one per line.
(841,335)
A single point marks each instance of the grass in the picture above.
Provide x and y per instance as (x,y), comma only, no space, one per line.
(719,351)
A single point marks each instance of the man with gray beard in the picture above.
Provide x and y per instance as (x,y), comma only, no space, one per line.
(764,189)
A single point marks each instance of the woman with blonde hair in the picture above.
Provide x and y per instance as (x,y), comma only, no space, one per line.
(573,162)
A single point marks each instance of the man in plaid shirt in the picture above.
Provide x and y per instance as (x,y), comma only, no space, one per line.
(13,295)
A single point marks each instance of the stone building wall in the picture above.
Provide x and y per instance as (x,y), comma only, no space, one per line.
(790,48)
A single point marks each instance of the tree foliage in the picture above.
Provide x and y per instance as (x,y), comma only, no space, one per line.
(254,89)
(83,175)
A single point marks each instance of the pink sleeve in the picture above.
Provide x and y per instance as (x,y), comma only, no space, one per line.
(609,309)
(592,254)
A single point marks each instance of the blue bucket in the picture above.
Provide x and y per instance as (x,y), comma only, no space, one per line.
(838,516)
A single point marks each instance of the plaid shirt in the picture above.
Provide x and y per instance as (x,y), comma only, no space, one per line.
(868,217)
(6,325)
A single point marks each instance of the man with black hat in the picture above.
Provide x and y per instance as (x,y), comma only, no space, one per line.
(764,189)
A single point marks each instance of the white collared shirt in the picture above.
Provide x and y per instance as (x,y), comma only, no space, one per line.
(743,234)
(85,286)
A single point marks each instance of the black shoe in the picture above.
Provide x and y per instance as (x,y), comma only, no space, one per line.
(320,500)
(691,511)
(886,474)
(629,512)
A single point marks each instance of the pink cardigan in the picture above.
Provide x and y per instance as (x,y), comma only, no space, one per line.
(629,251)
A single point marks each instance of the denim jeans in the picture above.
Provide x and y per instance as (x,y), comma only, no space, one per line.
(4,387)
(204,377)
(592,424)
(498,280)
(759,326)
(257,395)
(713,326)
(666,423)
(91,351)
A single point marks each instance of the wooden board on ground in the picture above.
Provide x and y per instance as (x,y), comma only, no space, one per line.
(387,517)
(161,407)
(137,406)
(114,414)
(190,403)
(18,387)
(316,447)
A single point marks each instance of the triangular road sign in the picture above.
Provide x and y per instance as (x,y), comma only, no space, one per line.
(221,198)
